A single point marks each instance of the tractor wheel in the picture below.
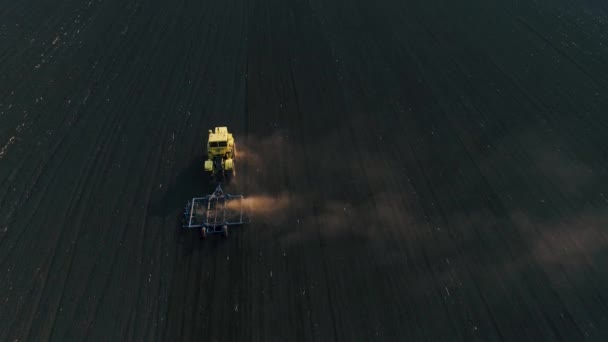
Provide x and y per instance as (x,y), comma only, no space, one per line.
(203,233)
(225,231)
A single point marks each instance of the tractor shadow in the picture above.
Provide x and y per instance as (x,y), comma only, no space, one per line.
(188,183)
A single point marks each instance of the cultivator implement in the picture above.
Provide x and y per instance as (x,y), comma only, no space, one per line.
(214,213)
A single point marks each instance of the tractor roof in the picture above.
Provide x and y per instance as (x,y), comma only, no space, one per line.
(220,134)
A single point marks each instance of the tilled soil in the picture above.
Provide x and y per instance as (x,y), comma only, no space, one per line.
(414,170)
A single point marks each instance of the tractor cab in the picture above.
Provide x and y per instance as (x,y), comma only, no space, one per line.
(218,142)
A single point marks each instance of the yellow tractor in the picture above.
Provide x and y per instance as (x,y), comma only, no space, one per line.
(221,152)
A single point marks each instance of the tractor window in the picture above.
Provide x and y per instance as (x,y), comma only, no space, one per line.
(213,144)
(222,143)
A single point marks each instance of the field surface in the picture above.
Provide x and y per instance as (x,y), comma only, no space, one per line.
(415,170)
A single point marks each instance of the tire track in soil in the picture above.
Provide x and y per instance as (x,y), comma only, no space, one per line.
(480,170)
(63,223)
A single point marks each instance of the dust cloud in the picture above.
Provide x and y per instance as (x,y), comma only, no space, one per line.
(570,241)
(336,211)
(264,207)
(264,200)
(254,152)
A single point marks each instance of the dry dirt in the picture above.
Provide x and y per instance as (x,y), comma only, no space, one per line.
(416,170)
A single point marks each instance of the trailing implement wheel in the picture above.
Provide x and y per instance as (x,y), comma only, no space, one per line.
(203,233)
(225,231)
